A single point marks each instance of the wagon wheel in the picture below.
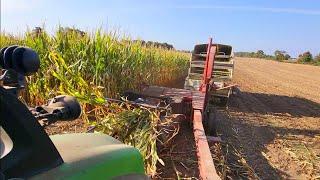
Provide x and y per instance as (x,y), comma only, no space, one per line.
(210,122)
(224,101)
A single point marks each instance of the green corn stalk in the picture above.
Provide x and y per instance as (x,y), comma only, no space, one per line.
(92,66)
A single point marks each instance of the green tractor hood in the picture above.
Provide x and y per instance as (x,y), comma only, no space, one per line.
(94,156)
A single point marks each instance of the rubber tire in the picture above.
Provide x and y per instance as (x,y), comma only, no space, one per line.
(212,126)
(224,101)
(209,122)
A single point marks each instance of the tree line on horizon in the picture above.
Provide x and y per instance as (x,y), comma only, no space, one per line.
(304,58)
(156,44)
(38,30)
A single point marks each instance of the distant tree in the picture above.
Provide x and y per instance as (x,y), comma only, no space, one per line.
(280,55)
(287,56)
(260,54)
(184,51)
(69,30)
(36,32)
(306,57)
(155,44)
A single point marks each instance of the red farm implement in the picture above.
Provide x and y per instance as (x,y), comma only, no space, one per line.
(206,86)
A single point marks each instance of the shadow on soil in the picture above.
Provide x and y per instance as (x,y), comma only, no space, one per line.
(275,104)
(251,138)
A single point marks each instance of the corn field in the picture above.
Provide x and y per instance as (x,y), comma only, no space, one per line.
(92,66)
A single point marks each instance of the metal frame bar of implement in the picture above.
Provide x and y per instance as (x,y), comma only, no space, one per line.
(205,161)
(211,54)
(137,104)
(206,166)
(206,76)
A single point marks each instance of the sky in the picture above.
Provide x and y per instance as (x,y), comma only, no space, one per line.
(247,25)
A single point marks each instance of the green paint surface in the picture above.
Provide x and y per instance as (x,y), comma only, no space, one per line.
(93,156)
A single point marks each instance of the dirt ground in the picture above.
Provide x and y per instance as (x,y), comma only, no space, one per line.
(65,127)
(180,156)
(274,115)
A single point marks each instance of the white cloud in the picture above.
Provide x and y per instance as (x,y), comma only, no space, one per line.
(253,8)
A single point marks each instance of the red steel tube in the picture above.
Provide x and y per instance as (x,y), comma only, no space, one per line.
(205,161)
(205,71)
(210,67)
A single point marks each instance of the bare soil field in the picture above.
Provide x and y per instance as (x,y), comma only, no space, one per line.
(273,119)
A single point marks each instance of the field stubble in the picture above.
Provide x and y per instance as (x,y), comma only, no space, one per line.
(273,120)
